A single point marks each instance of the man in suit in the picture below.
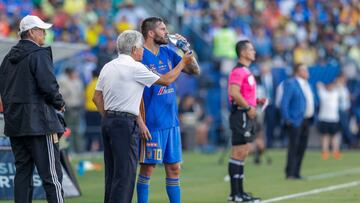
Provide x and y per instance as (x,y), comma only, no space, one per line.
(297,109)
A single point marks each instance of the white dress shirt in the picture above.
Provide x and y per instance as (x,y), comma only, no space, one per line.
(122,83)
(305,87)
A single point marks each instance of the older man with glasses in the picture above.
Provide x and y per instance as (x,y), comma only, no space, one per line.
(30,95)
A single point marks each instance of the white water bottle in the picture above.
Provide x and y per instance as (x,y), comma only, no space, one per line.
(181,44)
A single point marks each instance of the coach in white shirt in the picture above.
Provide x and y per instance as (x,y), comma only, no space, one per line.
(117,97)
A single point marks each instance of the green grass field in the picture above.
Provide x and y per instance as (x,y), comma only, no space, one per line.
(202,180)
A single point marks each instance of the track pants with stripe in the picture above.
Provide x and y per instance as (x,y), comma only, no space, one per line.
(42,152)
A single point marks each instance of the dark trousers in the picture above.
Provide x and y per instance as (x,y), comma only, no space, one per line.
(271,121)
(348,137)
(93,130)
(42,152)
(298,139)
(120,136)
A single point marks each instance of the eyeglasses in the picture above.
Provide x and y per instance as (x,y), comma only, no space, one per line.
(42,30)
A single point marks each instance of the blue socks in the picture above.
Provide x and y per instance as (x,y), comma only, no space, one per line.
(173,190)
(142,188)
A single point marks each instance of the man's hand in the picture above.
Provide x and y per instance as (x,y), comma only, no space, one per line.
(180,37)
(187,58)
(252,113)
(62,110)
(261,101)
(144,131)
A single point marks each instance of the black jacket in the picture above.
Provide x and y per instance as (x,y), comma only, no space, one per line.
(29,91)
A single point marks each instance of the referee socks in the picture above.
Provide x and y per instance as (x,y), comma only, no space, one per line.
(142,188)
(236,173)
(173,190)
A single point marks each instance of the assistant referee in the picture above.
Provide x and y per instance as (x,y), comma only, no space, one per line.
(242,96)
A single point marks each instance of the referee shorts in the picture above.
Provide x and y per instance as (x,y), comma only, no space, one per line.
(242,127)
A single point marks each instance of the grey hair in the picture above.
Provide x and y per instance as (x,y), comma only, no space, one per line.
(127,40)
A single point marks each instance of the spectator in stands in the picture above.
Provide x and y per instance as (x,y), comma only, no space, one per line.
(4,25)
(1,106)
(303,53)
(265,82)
(189,116)
(328,119)
(354,52)
(262,43)
(224,43)
(194,124)
(92,117)
(72,90)
(344,110)
(356,108)
(133,14)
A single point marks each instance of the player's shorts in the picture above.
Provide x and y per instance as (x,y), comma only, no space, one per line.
(164,147)
(330,128)
(242,127)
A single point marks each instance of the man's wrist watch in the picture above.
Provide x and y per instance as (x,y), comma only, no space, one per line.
(247,108)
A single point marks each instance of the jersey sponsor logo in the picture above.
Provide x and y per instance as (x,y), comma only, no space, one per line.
(162,67)
(151,144)
(251,80)
(152,68)
(165,90)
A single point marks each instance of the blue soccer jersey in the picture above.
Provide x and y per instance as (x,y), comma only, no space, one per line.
(160,101)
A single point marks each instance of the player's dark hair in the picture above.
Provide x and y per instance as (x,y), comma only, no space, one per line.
(149,24)
(241,46)
(297,67)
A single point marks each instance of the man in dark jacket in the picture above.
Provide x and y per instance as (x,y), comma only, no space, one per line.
(30,95)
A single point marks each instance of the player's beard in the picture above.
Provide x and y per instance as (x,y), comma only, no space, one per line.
(160,40)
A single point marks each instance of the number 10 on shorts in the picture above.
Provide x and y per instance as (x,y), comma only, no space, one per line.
(157,153)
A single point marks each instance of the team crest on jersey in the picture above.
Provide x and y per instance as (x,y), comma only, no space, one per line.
(148,155)
(251,80)
(152,68)
(160,62)
(165,90)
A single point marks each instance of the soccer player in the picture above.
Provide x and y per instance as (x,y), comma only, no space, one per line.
(161,141)
(242,96)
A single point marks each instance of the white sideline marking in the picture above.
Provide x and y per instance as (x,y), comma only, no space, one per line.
(315,191)
(334,174)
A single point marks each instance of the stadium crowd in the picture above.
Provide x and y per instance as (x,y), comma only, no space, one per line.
(323,34)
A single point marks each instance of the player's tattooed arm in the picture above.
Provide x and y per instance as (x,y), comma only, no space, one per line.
(192,68)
